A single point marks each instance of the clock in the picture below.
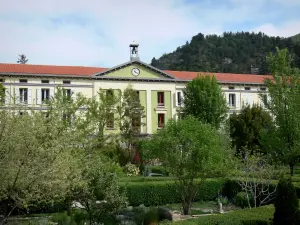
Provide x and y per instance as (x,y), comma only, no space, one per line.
(135,72)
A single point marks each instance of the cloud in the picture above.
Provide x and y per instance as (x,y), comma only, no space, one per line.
(98,32)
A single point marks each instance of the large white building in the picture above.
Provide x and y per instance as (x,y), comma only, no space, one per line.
(160,91)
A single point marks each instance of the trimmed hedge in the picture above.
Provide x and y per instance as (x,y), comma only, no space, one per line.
(164,192)
(254,216)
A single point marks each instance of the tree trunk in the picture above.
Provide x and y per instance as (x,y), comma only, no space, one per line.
(186,208)
(292,169)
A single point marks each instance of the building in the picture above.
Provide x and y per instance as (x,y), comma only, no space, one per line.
(160,92)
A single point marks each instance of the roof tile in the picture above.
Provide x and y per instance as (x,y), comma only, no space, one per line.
(89,71)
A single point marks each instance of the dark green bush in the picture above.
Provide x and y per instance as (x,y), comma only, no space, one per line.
(161,193)
(159,169)
(230,189)
(286,204)
(241,200)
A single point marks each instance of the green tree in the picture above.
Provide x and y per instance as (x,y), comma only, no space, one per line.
(203,99)
(2,94)
(36,160)
(283,103)
(190,150)
(22,59)
(286,204)
(97,114)
(100,195)
(131,113)
(246,127)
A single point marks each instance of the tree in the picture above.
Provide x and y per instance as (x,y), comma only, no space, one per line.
(204,100)
(97,114)
(283,103)
(255,179)
(101,194)
(286,204)
(22,59)
(36,160)
(131,113)
(2,94)
(245,128)
(190,150)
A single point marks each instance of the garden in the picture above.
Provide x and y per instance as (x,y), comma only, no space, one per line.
(65,167)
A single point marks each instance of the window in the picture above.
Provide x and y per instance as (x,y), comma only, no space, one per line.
(23,92)
(138,96)
(247,88)
(136,125)
(110,121)
(45,94)
(161,120)
(179,98)
(160,99)
(23,81)
(66,82)
(263,89)
(68,93)
(232,100)
(45,81)
(109,93)
(1,80)
(231,88)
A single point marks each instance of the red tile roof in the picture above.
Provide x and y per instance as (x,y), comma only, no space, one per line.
(222,77)
(47,69)
(89,71)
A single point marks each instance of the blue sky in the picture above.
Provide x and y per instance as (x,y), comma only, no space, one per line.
(98,32)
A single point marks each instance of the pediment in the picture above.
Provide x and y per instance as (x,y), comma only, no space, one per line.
(134,70)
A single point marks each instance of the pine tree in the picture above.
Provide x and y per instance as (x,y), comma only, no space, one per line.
(22,59)
(286,204)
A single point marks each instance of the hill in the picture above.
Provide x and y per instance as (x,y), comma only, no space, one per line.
(241,52)
(296,38)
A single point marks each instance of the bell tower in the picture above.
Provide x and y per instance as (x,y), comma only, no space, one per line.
(134,51)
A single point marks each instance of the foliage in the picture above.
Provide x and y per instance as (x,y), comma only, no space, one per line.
(258,216)
(157,215)
(205,101)
(2,94)
(283,102)
(22,59)
(131,113)
(286,204)
(37,161)
(241,200)
(245,129)
(191,150)
(255,179)
(94,120)
(131,170)
(100,195)
(240,52)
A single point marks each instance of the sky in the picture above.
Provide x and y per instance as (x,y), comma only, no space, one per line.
(98,32)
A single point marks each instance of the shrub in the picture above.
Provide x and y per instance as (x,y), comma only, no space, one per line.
(230,189)
(131,170)
(241,200)
(286,204)
(165,192)
(159,169)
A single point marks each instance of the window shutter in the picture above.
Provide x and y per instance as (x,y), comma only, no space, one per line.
(51,93)
(38,96)
(176,99)
(73,94)
(17,96)
(29,96)
(238,102)
(7,97)
(227,98)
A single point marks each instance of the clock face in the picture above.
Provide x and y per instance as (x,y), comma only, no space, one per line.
(135,72)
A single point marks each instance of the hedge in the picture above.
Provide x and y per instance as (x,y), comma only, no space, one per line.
(254,216)
(165,192)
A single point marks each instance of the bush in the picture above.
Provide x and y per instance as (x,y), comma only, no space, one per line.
(131,170)
(242,201)
(165,192)
(286,204)
(159,169)
(230,189)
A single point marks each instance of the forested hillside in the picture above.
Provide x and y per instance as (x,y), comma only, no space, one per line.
(242,52)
